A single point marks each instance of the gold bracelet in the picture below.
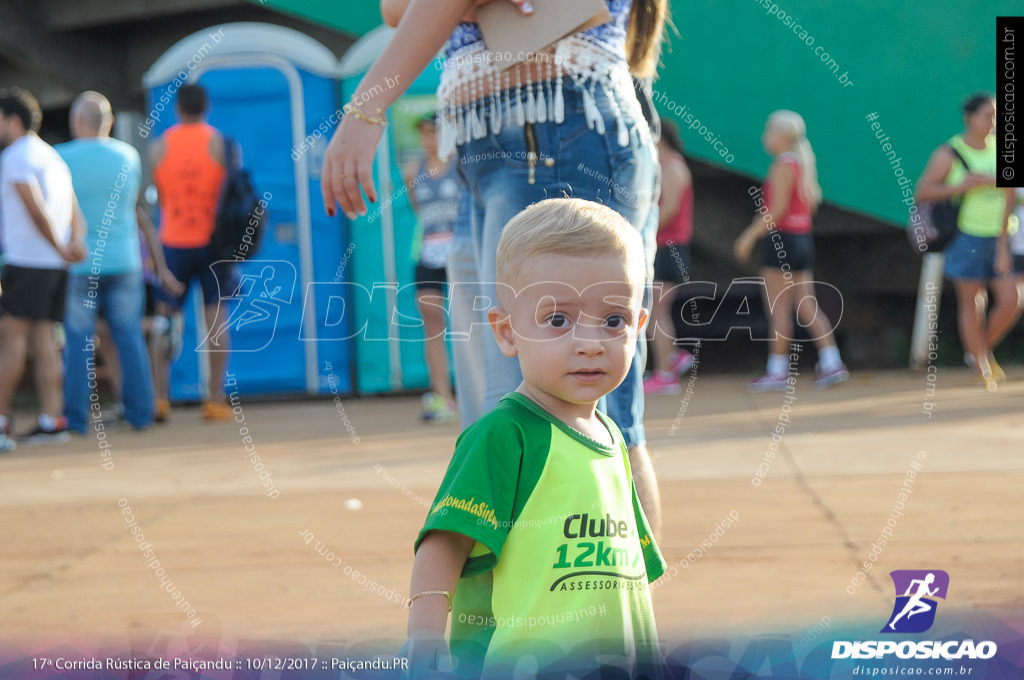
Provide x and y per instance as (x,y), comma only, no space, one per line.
(358,112)
(430,592)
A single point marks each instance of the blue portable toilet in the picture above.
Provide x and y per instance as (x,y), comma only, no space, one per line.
(274,91)
(389,350)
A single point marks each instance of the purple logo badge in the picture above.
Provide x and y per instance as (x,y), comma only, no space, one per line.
(914,611)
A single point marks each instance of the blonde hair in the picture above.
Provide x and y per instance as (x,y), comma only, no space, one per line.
(791,124)
(568,226)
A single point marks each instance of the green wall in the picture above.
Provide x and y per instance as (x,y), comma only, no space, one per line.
(910,62)
(732,63)
(355,17)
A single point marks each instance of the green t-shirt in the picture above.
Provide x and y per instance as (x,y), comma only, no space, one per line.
(981,208)
(563,552)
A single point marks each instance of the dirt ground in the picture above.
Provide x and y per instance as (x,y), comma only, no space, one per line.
(358,478)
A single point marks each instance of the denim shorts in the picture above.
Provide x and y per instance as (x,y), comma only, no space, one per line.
(573,159)
(971,257)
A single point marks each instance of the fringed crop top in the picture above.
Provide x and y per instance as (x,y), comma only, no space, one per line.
(475,98)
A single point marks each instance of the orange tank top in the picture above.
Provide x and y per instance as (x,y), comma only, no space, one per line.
(189,181)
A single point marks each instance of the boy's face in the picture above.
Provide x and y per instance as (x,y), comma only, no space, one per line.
(574,327)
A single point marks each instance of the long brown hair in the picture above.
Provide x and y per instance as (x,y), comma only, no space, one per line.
(643,35)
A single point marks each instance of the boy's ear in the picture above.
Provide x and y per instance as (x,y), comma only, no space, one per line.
(501,324)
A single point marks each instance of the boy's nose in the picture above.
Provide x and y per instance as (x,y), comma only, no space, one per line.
(587,340)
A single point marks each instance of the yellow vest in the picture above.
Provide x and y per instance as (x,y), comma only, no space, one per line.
(981,208)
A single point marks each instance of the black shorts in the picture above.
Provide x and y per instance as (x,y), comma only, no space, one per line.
(672,264)
(218,279)
(1018,263)
(35,294)
(431,278)
(789,252)
(150,300)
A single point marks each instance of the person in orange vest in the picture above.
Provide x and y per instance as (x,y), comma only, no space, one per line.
(189,169)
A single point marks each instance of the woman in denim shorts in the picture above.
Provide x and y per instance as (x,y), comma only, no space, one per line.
(979,256)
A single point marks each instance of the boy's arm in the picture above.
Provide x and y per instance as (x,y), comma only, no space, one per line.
(438,565)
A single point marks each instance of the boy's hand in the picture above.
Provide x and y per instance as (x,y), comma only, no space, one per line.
(428,656)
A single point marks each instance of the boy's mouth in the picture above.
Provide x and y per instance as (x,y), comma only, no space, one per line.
(588,374)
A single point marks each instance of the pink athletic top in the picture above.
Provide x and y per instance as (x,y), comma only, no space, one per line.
(798,219)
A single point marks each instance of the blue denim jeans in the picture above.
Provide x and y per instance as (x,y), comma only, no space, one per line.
(120,298)
(466,323)
(574,160)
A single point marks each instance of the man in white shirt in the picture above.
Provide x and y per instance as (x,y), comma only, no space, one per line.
(41,230)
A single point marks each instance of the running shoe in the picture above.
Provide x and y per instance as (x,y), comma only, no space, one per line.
(827,379)
(660,382)
(7,442)
(40,437)
(217,411)
(998,374)
(768,383)
(989,379)
(113,415)
(161,410)
(680,361)
(437,409)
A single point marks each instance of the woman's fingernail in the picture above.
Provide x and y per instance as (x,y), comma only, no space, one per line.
(330,212)
(527,7)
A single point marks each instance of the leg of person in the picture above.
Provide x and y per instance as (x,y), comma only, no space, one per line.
(79,329)
(50,291)
(669,362)
(969,263)
(160,355)
(125,299)
(106,349)
(501,374)
(830,370)
(180,262)
(218,282)
(1003,316)
(438,405)
(49,375)
(662,379)
(13,351)
(778,307)
(635,189)
(970,299)
(467,324)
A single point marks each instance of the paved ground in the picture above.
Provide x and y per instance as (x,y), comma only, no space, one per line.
(71,571)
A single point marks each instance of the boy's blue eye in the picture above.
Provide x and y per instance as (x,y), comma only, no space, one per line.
(615,321)
(557,320)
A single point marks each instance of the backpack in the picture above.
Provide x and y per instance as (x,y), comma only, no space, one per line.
(934,224)
(241,214)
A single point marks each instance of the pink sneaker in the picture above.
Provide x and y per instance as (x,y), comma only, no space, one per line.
(827,379)
(680,361)
(660,382)
(768,383)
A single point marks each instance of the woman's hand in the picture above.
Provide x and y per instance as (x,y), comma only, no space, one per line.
(348,166)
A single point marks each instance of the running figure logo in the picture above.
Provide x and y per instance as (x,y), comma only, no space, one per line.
(255,305)
(914,611)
